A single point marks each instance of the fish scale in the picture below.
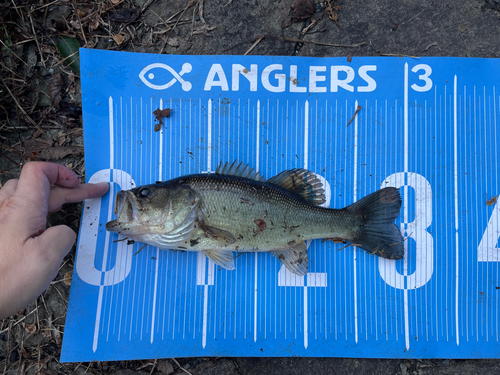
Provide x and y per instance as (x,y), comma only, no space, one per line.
(236,204)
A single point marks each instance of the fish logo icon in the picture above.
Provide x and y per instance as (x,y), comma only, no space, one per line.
(186,68)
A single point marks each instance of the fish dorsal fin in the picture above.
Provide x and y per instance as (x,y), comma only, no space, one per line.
(238,170)
(302,183)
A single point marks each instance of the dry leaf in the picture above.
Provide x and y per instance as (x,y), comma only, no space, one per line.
(54,332)
(173,42)
(81,13)
(24,353)
(55,87)
(332,11)
(67,277)
(203,30)
(125,15)
(159,114)
(38,143)
(75,24)
(55,153)
(302,9)
(30,328)
(164,367)
(116,2)
(61,138)
(492,201)
(37,133)
(118,38)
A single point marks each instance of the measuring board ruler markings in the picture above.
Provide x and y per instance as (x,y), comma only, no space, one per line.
(426,126)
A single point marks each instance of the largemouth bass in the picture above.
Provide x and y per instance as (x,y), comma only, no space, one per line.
(236,210)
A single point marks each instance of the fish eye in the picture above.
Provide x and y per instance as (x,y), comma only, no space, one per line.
(144,192)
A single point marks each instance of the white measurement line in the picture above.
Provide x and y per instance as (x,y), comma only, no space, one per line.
(345,253)
(455,177)
(466,217)
(405,117)
(155,288)
(209,136)
(355,183)
(110,211)
(257,162)
(426,244)
(334,255)
(385,265)
(205,316)
(486,184)
(477,217)
(496,175)
(203,263)
(306,134)
(306,158)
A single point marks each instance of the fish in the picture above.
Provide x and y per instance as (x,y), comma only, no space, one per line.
(236,210)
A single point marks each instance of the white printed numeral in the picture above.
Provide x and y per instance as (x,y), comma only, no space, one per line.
(85,262)
(424,77)
(488,251)
(416,230)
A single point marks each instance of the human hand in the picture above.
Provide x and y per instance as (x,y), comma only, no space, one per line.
(30,255)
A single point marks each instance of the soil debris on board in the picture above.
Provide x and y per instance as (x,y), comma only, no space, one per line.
(159,115)
(492,201)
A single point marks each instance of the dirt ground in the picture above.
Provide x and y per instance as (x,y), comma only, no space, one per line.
(40,119)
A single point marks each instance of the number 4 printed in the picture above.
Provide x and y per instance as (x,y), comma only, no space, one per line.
(488,249)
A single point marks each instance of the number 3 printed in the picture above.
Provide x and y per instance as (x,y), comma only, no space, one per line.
(417,230)
(424,77)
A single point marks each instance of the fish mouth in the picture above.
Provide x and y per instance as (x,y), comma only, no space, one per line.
(127,210)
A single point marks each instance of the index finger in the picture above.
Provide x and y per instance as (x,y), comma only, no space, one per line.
(36,179)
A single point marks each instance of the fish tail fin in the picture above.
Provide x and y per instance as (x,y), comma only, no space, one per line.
(377,233)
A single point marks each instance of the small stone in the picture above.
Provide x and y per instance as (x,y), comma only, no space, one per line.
(176,30)
(197,18)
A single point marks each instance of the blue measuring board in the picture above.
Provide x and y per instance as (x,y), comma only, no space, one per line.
(427,126)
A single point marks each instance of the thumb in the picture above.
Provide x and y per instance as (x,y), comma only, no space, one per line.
(57,242)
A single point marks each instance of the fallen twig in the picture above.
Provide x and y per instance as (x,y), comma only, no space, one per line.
(296,41)
(253,45)
(396,55)
(319,43)
(354,115)
(182,368)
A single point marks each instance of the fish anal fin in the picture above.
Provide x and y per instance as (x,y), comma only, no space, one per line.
(223,237)
(294,258)
(223,258)
(303,183)
(238,170)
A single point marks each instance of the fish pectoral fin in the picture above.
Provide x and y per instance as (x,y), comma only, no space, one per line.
(222,258)
(295,258)
(223,237)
